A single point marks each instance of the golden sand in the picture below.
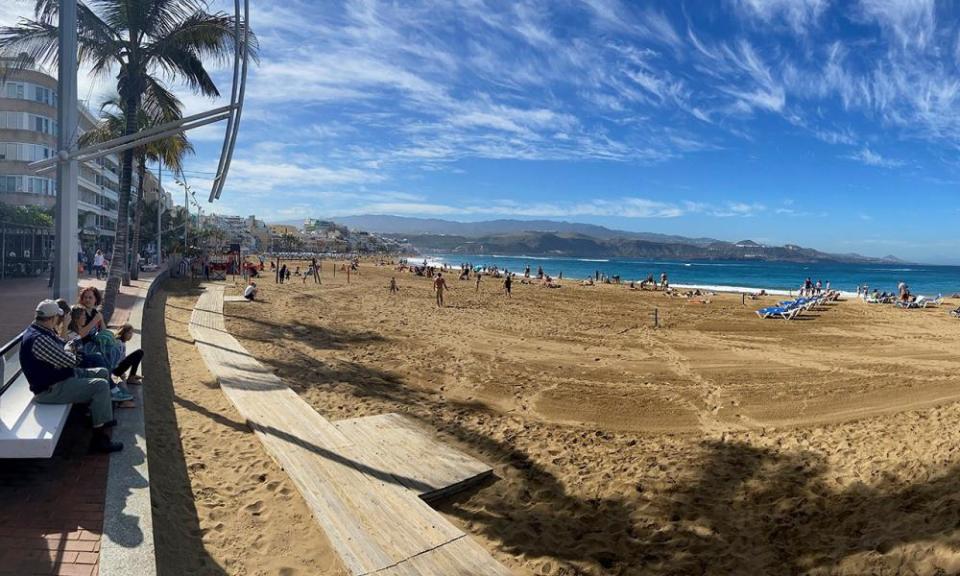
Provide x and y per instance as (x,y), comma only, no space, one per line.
(220,504)
(718,443)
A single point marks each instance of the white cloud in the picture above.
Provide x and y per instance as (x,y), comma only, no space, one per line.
(623,207)
(799,15)
(738,209)
(911,22)
(871,158)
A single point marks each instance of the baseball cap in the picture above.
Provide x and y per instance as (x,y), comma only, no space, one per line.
(48,309)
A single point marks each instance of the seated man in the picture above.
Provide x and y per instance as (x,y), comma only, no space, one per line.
(250,292)
(54,378)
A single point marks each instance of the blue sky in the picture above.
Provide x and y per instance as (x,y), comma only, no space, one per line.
(829,124)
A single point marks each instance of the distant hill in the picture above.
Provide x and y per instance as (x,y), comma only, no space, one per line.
(575,240)
(566,245)
(405,225)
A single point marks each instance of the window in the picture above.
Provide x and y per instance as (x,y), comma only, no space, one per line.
(12,151)
(11,184)
(12,120)
(14,90)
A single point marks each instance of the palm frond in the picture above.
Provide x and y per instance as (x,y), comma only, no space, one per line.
(164,16)
(39,38)
(160,103)
(171,151)
(39,41)
(112,124)
(203,35)
(184,65)
(109,127)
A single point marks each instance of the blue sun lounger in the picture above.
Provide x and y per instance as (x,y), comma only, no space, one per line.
(787,313)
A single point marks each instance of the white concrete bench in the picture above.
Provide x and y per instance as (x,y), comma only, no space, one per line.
(27,429)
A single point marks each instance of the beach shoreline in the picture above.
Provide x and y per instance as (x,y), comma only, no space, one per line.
(778,278)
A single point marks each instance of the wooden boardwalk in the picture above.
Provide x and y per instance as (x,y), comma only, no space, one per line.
(363,478)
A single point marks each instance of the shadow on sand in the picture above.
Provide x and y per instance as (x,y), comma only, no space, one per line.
(737,509)
(176,524)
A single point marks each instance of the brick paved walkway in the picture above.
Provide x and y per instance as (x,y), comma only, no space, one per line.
(20,296)
(51,511)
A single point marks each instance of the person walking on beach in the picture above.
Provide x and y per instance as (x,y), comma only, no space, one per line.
(439,286)
(478,281)
(507,285)
(316,271)
(393,285)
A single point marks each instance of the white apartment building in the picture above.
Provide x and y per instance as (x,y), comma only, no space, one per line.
(28,132)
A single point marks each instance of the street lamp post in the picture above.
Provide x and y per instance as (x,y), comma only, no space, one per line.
(159,208)
(65,277)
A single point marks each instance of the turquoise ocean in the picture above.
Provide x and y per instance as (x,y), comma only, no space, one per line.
(785,276)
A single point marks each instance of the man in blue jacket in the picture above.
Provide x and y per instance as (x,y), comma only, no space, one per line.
(50,366)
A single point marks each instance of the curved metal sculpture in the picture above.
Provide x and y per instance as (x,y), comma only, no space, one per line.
(236,98)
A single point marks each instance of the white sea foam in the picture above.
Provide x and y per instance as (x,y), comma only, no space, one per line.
(514,257)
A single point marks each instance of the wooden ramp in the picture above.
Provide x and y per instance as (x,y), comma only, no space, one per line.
(395,445)
(362,478)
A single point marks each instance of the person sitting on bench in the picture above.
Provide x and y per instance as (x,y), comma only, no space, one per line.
(130,361)
(54,378)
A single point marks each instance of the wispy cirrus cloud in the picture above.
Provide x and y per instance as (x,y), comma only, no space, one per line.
(871,158)
(622,207)
(798,15)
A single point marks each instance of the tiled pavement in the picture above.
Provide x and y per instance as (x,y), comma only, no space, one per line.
(19,297)
(51,511)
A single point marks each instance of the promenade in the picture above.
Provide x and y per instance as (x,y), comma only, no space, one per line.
(52,512)
(20,297)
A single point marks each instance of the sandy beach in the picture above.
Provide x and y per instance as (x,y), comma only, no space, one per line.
(717,443)
(221,505)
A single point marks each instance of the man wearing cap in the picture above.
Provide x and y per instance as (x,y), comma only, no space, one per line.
(50,365)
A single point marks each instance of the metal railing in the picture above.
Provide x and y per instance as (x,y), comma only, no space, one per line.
(10,349)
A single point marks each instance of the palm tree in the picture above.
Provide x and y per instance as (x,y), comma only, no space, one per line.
(144,39)
(170,151)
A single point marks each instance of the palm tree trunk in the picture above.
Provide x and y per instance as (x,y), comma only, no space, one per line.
(118,263)
(135,243)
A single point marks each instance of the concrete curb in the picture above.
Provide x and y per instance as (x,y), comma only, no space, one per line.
(127,545)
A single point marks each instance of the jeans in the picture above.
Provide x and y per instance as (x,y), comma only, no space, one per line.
(87,385)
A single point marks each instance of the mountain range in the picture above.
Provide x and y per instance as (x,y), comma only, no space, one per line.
(576,240)
(406,225)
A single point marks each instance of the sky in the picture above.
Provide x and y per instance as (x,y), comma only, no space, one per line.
(829,124)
